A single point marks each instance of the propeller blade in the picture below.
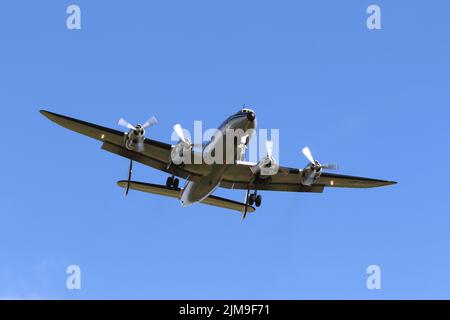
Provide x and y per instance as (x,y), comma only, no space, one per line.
(179,131)
(330,166)
(307,153)
(123,123)
(150,122)
(269,147)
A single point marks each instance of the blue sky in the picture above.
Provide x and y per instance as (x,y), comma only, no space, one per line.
(375,101)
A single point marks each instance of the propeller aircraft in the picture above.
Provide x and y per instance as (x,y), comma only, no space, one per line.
(202,179)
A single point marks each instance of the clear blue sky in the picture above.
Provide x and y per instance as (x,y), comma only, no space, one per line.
(375,101)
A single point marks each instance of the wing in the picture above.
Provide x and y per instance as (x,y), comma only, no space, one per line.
(343,181)
(156,154)
(288,179)
(239,176)
(176,193)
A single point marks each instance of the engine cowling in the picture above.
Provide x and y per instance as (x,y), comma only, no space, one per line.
(267,166)
(313,170)
(134,139)
(310,174)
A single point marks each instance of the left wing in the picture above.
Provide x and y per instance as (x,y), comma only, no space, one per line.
(176,193)
(344,181)
(156,154)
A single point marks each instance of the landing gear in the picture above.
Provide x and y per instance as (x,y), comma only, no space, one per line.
(172,182)
(250,200)
(258,200)
(254,199)
(130,171)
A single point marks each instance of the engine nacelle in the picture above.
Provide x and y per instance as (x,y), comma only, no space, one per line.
(267,166)
(134,139)
(310,174)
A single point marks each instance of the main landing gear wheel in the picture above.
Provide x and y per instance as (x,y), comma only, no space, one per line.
(172,182)
(251,199)
(254,199)
(258,200)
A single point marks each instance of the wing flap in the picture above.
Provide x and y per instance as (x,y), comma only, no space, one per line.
(176,193)
(272,186)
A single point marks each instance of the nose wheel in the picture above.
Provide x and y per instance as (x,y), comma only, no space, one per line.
(172,182)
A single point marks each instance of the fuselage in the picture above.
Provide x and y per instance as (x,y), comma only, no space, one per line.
(195,191)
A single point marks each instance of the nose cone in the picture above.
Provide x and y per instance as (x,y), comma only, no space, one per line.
(251,121)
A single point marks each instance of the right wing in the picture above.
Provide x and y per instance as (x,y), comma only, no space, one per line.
(240,176)
(176,193)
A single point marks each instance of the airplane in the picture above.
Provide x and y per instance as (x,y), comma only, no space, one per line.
(202,179)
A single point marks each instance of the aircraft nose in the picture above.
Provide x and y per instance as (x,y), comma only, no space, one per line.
(251,116)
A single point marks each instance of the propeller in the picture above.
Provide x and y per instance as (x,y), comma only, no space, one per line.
(262,164)
(242,148)
(124,123)
(150,123)
(307,153)
(147,124)
(269,148)
(316,164)
(137,132)
(180,133)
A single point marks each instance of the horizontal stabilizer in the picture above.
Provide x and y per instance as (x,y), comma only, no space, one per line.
(176,193)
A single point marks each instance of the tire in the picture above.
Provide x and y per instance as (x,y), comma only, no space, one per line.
(169,182)
(176,183)
(258,200)
(251,199)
